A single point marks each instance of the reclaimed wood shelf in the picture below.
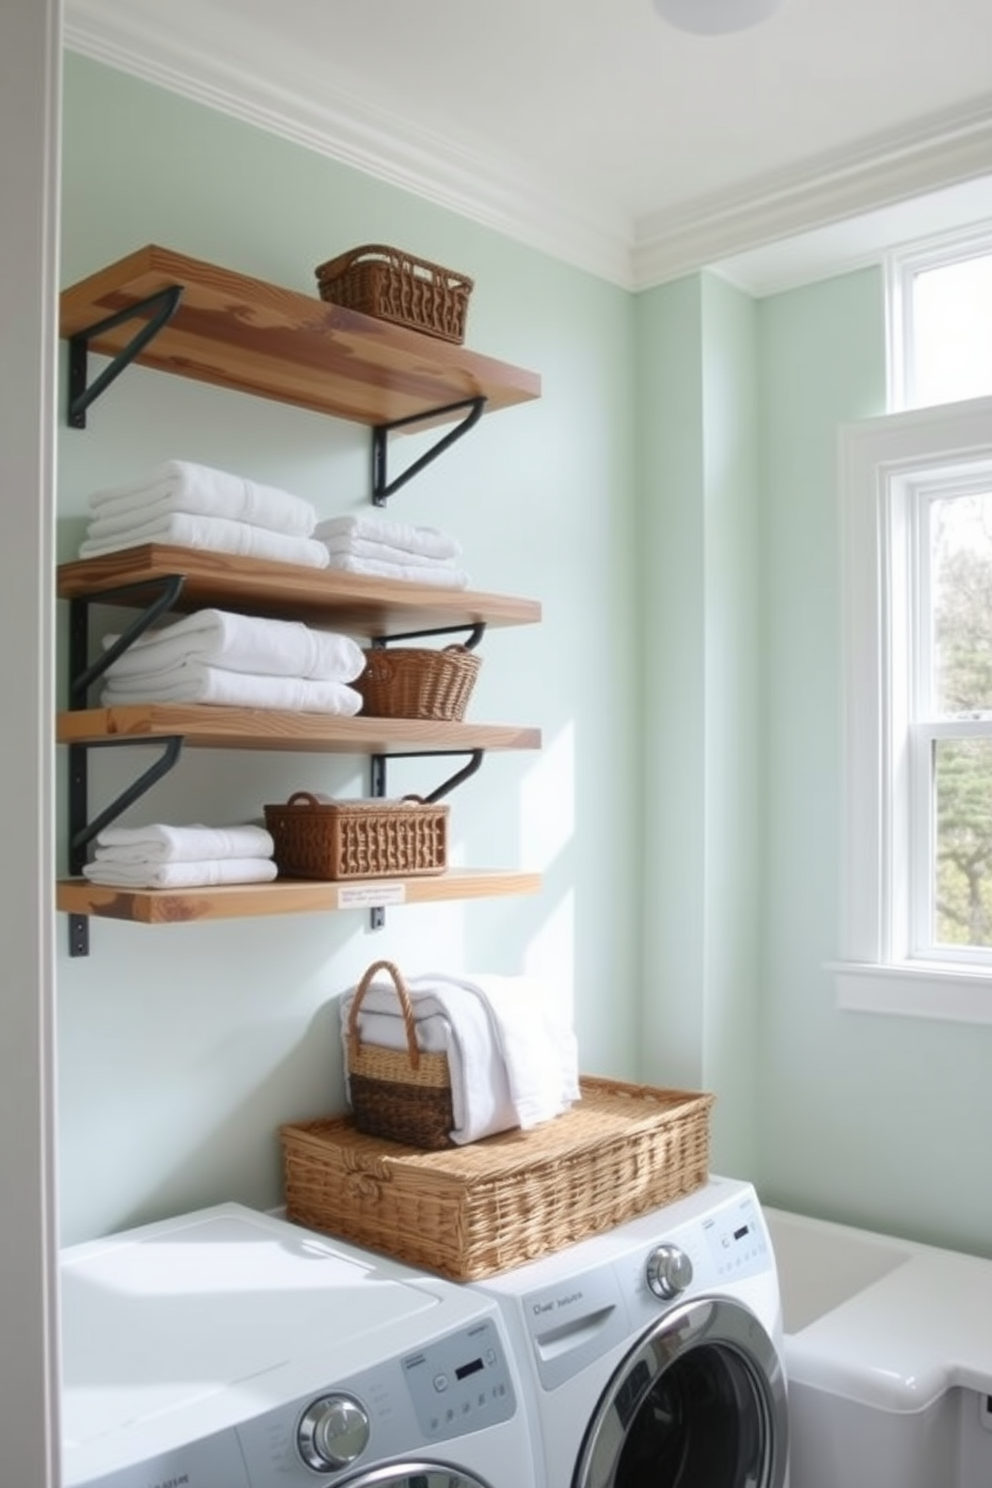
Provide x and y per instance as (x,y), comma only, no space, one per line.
(77,896)
(242,333)
(207,726)
(377,608)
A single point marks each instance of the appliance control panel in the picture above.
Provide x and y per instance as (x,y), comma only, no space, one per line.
(735,1241)
(460,1383)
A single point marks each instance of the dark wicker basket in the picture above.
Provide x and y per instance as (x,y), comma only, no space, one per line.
(358,839)
(403,1095)
(418,682)
(392,285)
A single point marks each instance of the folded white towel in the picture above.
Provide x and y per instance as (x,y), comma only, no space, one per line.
(512,1061)
(360,547)
(242,643)
(201,874)
(193,682)
(162,843)
(441,577)
(213,534)
(181,485)
(426,542)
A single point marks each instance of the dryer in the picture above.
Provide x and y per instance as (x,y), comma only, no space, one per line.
(654,1350)
(230,1349)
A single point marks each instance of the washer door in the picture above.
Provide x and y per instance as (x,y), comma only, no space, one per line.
(698,1403)
(415,1475)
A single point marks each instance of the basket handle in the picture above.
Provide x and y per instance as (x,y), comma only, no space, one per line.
(302,796)
(354,1039)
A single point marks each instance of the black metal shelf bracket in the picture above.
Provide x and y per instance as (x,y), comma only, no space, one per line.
(377,777)
(163,304)
(83,673)
(382,487)
(82,831)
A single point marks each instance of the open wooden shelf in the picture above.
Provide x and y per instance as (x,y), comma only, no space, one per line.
(205,726)
(286,896)
(253,337)
(317,596)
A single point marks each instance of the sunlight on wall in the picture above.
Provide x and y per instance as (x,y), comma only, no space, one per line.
(547,826)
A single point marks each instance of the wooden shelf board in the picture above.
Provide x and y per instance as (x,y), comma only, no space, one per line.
(204,726)
(351,602)
(241,333)
(285,896)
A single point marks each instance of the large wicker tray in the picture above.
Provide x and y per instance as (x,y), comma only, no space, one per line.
(476,1210)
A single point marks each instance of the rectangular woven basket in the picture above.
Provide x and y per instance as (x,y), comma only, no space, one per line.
(486,1207)
(358,839)
(401,1094)
(393,285)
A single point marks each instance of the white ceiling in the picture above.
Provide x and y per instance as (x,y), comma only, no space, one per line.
(593,130)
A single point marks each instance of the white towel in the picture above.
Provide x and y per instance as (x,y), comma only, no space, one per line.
(242,643)
(182,486)
(213,534)
(201,874)
(426,542)
(512,1061)
(161,843)
(441,577)
(360,547)
(193,682)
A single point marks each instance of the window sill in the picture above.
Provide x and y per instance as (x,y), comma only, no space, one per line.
(913,991)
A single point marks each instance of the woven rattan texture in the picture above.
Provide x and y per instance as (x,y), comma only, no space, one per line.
(358,839)
(392,285)
(476,1210)
(417,682)
(403,1095)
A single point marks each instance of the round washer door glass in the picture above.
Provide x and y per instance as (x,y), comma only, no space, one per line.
(415,1475)
(698,1403)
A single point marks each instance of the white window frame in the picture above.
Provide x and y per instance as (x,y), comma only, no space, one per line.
(901,267)
(880,463)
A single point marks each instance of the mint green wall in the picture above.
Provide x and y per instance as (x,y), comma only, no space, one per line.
(671,501)
(879,1121)
(182,1048)
(696,350)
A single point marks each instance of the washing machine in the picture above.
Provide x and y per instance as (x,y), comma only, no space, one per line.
(230,1349)
(654,1350)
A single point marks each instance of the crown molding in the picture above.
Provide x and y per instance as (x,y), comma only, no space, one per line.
(887,170)
(499,194)
(510,198)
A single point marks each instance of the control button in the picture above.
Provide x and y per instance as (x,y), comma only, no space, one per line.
(440,1383)
(333,1432)
(668,1271)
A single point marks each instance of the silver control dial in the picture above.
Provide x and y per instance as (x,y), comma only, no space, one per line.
(333,1432)
(669,1271)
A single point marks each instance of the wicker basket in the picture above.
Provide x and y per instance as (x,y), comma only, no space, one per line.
(358,839)
(403,1095)
(476,1210)
(392,285)
(417,682)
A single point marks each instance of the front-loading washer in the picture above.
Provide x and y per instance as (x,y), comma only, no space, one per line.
(654,1350)
(230,1349)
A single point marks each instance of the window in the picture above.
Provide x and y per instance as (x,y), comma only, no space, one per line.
(940,307)
(917,556)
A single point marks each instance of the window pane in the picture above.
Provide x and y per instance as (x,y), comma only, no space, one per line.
(952,350)
(963,888)
(961,604)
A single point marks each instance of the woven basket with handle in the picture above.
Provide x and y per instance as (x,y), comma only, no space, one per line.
(401,1094)
(393,285)
(418,682)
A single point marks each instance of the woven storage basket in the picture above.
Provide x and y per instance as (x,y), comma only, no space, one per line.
(358,839)
(476,1210)
(393,285)
(403,1095)
(417,682)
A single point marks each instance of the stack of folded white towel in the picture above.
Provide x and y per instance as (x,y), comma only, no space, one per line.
(216,656)
(392,550)
(512,1053)
(195,506)
(165,857)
